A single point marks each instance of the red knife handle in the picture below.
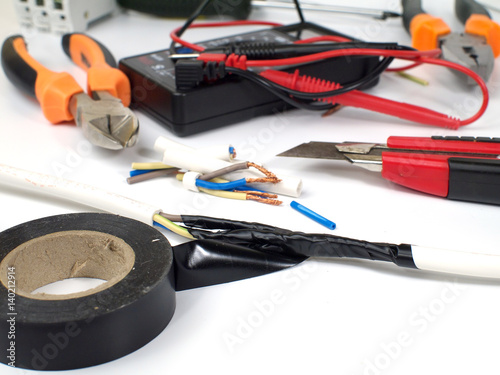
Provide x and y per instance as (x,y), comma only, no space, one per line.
(459,178)
(423,172)
(481,145)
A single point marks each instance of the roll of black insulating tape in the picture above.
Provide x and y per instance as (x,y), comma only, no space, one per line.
(48,332)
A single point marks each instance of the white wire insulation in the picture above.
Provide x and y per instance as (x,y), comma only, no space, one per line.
(189,181)
(78,192)
(221,152)
(468,263)
(290,186)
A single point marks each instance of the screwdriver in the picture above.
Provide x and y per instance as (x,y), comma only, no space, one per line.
(238,9)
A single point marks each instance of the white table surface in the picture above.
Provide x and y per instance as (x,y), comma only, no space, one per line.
(335,317)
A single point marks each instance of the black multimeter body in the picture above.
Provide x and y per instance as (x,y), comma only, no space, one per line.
(232,99)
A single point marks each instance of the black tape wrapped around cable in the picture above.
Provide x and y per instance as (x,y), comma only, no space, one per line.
(296,244)
(113,320)
(208,262)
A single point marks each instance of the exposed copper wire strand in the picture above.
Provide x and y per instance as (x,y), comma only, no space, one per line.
(262,170)
(270,177)
(273,180)
(259,193)
(272,202)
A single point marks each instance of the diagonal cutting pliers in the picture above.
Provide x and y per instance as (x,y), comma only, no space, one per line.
(458,168)
(475,48)
(102,113)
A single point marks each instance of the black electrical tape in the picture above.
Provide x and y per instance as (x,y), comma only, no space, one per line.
(133,307)
(85,331)
(209,262)
(298,244)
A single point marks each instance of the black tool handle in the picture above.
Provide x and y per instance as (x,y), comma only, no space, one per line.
(53,90)
(238,9)
(411,8)
(18,71)
(466,8)
(474,180)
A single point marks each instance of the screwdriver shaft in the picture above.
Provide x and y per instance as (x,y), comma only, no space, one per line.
(375,13)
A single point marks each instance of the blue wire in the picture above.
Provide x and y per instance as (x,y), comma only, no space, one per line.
(313,215)
(161,226)
(222,185)
(137,172)
(184,50)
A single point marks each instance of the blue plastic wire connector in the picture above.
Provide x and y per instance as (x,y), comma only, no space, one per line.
(313,215)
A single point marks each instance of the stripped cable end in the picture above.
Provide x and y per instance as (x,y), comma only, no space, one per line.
(270,176)
(272,202)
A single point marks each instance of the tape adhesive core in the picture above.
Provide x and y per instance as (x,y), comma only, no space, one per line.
(64,255)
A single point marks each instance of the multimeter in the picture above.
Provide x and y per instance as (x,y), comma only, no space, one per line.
(231,100)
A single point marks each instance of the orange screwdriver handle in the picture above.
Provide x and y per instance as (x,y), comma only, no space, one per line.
(100,65)
(52,90)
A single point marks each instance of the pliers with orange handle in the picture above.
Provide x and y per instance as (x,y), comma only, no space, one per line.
(476,48)
(102,113)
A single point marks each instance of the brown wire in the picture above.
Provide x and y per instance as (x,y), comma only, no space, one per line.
(174,218)
(223,171)
(270,177)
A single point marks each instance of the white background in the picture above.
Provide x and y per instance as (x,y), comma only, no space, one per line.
(332,317)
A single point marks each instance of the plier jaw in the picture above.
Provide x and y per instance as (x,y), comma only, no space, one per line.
(469,50)
(105,122)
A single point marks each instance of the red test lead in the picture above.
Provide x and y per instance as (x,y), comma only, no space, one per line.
(358,99)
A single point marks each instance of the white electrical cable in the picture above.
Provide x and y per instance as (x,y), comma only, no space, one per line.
(290,186)
(456,262)
(78,192)
(222,152)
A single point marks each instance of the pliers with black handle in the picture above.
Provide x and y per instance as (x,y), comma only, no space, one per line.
(476,48)
(102,113)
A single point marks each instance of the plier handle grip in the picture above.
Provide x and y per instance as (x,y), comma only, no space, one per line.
(102,114)
(476,48)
